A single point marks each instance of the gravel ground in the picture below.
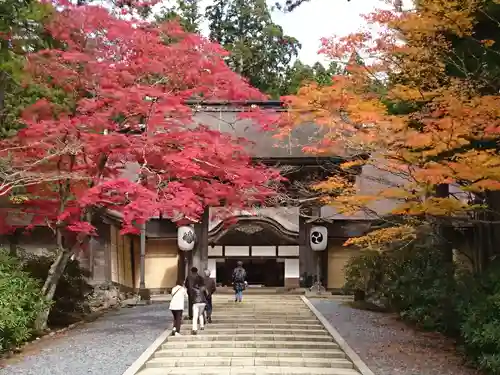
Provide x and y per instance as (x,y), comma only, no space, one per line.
(107,346)
(389,347)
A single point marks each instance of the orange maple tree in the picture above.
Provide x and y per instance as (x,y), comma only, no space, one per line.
(423,103)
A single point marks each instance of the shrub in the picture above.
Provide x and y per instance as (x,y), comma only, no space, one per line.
(20,302)
(416,283)
(72,290)
(413,281)
(421,287)
(479,307)
(365,273)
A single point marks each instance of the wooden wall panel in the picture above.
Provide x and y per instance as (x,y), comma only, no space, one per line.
(127,262)
(114,254)
(121,258)
(137,260)
(161,263)
(119,246)
(338,256)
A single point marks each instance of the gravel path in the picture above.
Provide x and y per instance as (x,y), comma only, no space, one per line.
(389,347)
(107,346)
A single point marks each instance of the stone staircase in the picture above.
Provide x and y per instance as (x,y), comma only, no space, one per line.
(264,335)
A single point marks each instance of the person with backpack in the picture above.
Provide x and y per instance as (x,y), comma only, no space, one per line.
(239,281)
(211,288)
(179,294)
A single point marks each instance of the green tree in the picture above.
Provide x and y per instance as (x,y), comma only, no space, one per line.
(186,11)
(21,31)
(300,74)
(259,49)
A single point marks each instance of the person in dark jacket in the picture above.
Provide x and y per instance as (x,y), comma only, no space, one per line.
(188,283)
(199,297)
(239,281)
(211,288)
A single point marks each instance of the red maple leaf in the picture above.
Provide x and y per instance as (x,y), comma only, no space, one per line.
(128,142)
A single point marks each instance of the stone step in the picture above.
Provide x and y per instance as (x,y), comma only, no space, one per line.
(207,336)
(224,320)
(284,310)
(257,314)
(263,307)
(249,361)
(264,335)
(260,323)
(253,302)
(224,311)
(248,370)
(227,310)
(266,307)
(265,304)
(261,315)
(270,344)
(286,326)
(272,298)
(249,352)
(257,317)
(272,301)
(278,309)
(288,299)
(210,329)
(264,297)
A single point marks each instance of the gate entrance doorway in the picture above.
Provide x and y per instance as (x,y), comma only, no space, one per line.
(267,272)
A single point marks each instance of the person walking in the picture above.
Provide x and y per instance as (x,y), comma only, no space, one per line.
(239,281)
(188,283)
(177,306)
(199,297)
(211,288)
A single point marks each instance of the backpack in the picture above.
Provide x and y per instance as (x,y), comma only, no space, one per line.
(239,275)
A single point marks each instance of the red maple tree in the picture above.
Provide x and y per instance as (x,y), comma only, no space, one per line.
(123,137)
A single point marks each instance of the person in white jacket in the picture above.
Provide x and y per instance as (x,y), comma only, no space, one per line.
(179,294)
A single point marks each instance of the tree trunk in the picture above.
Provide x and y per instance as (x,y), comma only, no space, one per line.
(492,242)
(445,230)
(13,242)
(49,287)
(3,80)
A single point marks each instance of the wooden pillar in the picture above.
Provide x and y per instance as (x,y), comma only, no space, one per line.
(142,274)
(92,248)
(107,257)
(204,242)
(316,213)
(143,292)
(106,237)
(308,261)
(303,247)
(200,252)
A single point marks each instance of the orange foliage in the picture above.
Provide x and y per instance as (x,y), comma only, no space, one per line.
(377,239)
(435,142)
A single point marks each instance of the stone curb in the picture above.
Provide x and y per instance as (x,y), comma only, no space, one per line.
(147,354)
(350,353)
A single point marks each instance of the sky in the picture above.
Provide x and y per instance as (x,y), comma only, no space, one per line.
(317,19)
